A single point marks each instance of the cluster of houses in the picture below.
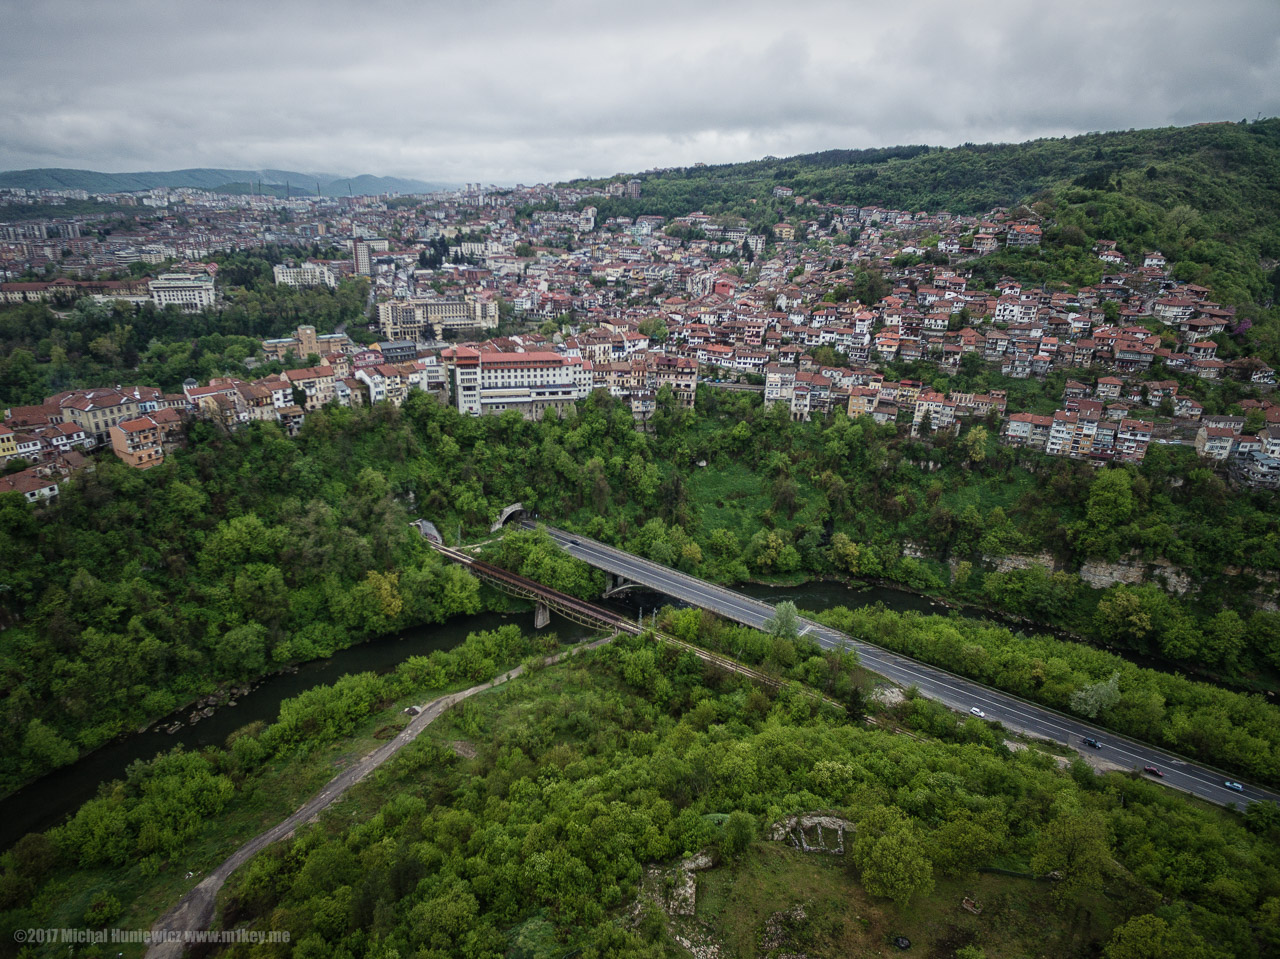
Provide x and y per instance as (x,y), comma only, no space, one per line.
(1252,459)
(636,304)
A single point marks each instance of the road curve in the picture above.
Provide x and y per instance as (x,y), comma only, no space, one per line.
(194,911)
(948,688)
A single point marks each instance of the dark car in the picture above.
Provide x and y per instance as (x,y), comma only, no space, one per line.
(1089,741)
(1153,771)
(574,542)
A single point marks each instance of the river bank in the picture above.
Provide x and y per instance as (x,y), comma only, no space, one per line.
(48,800)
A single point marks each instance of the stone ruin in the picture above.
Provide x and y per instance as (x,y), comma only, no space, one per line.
(812,832)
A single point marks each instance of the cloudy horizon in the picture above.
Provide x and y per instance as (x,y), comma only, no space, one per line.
(510,92)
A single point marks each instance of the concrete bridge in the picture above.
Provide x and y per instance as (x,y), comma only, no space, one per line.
(514,511)
(955,691)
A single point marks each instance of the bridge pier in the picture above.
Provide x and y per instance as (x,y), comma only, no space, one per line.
(541,615)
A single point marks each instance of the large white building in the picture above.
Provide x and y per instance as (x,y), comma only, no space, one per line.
(425,318)
(305,274)
(530,383)
(190,292)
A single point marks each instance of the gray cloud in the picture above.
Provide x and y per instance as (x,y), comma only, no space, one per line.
(518,91)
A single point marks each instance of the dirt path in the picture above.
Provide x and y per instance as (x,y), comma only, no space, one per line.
(195,910)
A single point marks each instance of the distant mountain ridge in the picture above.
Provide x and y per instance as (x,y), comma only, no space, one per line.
(204,178)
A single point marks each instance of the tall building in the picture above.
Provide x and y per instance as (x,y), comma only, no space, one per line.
(532,384)
(364,249)
(364,258)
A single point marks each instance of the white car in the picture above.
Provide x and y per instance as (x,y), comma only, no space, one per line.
(977,712)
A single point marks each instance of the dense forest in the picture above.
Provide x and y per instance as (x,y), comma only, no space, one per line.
(523,823)
(133,593)
(1207,196)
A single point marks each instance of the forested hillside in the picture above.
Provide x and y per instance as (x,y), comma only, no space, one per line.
(133,591)
(524,822)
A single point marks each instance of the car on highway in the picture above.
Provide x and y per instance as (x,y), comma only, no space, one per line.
(1090,741)
(1236,786)
(574,542)
(977,712)
(1153,771)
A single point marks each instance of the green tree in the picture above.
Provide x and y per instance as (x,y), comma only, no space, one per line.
(975,444)
(1150,937)
(890,856)
(739,833)
(1097,697)
(43,749)
(1111,501)
(1074,845)
(785,621)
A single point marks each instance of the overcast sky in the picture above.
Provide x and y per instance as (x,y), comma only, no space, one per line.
(538,90)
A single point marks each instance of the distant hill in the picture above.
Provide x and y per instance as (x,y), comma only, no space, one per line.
(298,184)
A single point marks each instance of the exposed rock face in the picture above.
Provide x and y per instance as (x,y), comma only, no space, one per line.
(702,860)
(1133,571)
(676,889)
(1003,564)
(780,927)
(682,898)
(1100,575)
(812,832)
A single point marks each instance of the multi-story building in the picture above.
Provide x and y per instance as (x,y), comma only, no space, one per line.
(1132,439)
(428,318)
(137,442)
(532,384)
(364,249)
(96,411)
(1023,235)
(190,292)
(35,484)
(316,382)
(143,441)
(305,274)
(678,372)
(940,410)
(1028,429)
(1255,468)
(1216,442)
(305,342)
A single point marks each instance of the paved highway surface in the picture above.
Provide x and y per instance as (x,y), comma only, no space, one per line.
(947,688)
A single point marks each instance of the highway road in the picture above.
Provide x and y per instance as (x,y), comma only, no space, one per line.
(954,691)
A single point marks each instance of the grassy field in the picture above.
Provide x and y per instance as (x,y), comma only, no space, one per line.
(736,902)
(734,496)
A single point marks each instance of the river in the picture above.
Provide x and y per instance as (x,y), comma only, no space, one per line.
(49,800)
